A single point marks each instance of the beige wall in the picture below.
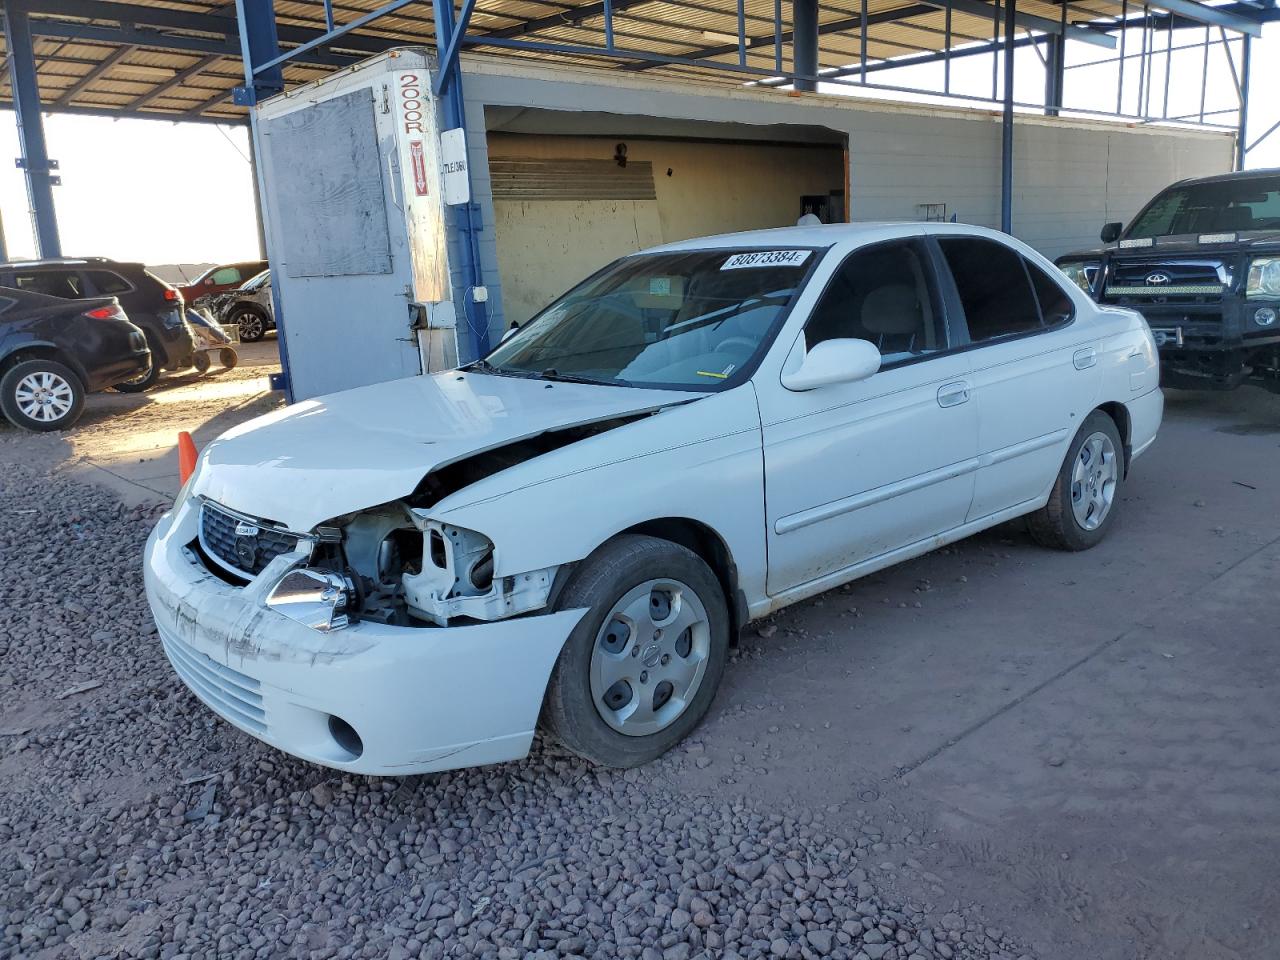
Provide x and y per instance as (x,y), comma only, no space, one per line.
(546,246)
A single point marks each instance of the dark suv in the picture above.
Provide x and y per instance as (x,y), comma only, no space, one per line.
(151,303)
(1202,263)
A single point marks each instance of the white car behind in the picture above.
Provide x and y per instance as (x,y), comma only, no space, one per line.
(413,576)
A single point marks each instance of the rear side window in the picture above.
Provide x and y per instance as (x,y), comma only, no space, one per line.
(52,283)
(108,283)
(1056,307)
(225,275)
(994,288)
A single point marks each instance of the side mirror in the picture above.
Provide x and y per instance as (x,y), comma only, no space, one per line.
(511,332)
(1111,232)
(834,361)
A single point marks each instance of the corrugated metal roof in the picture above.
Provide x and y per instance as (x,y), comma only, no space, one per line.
(179,59)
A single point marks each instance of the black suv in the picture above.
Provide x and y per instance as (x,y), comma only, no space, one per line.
(1202,263)
(54,351)
(151,303)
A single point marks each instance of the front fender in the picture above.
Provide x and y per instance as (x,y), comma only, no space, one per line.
(700,461)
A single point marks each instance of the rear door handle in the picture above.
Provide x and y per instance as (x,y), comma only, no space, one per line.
(1084,359)
(953,394)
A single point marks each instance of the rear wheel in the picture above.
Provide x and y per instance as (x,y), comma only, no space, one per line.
(253,326)
(641,668)
(1086,495)
(41,395)
(148,379)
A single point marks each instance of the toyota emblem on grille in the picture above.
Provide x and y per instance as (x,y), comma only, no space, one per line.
(1157,279)
(246,550)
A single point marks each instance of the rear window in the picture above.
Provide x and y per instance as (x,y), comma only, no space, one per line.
(1056,307)
(994,288)
(52,283)
(109,284)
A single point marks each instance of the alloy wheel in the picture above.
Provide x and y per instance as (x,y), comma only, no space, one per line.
(44,396)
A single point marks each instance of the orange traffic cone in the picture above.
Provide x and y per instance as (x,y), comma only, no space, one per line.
(186,456)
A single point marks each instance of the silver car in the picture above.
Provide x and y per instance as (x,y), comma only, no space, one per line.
(248,307)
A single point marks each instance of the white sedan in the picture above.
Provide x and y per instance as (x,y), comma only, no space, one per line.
(414,576)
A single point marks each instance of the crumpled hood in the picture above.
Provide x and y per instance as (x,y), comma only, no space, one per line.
(336,454)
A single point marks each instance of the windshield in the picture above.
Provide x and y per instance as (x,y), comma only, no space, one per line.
(695,320)
(1224,206)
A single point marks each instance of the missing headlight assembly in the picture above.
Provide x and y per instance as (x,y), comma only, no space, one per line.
(411,570)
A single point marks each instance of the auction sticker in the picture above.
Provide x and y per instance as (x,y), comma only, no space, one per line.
(767,258)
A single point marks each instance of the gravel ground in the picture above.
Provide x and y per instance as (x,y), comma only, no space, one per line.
(133,823)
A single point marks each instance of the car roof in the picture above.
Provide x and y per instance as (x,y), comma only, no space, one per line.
(69,262)
(1263,173)
(829,235)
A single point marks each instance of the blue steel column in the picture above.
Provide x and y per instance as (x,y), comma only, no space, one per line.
(1006,123)
(460,220)
(804,41)
(26,107)
(259,44)
(1246,56)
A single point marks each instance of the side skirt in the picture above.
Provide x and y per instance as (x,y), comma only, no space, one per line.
(768,605)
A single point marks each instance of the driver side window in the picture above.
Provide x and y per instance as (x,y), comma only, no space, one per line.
(881,294)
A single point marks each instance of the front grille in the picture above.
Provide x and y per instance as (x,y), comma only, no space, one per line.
(228,692)
(242,545)
(1153,281)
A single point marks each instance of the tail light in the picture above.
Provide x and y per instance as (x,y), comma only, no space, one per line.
(112,312)
(172,295)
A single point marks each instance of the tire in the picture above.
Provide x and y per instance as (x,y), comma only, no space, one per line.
(41,395)
(201,361)
(1086,495)
(148,379)
(228,357)
(670,678)
(252,324)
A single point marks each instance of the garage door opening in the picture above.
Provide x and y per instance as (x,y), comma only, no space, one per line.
(575,191)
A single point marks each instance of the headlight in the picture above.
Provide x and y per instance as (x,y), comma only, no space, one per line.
(1264,278)
(1080,273)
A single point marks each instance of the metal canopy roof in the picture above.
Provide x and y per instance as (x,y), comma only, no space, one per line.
(179,60)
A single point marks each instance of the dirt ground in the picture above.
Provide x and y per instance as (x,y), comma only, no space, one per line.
(1084,746)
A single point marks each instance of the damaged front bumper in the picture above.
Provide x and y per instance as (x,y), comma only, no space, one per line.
(371,698)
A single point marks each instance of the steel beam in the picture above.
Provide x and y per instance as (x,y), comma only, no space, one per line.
(34,161)
(780,36)
(1054,74)
(1214,16)
(1246,58)
(461,219)
(1006,120)
(177,80)
(208,23)
(94,73)
(196,111)
(804,43)
(1030,21)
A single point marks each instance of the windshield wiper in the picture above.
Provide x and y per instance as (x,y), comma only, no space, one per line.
(484,366)
(551,373)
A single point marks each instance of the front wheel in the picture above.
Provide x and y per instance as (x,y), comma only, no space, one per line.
(641,668)
(41,395)
(1086,494)
(252,326)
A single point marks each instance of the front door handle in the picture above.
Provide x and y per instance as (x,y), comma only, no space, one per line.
(1084,359)
(953,394)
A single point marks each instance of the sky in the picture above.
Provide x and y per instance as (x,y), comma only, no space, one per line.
(163,192)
